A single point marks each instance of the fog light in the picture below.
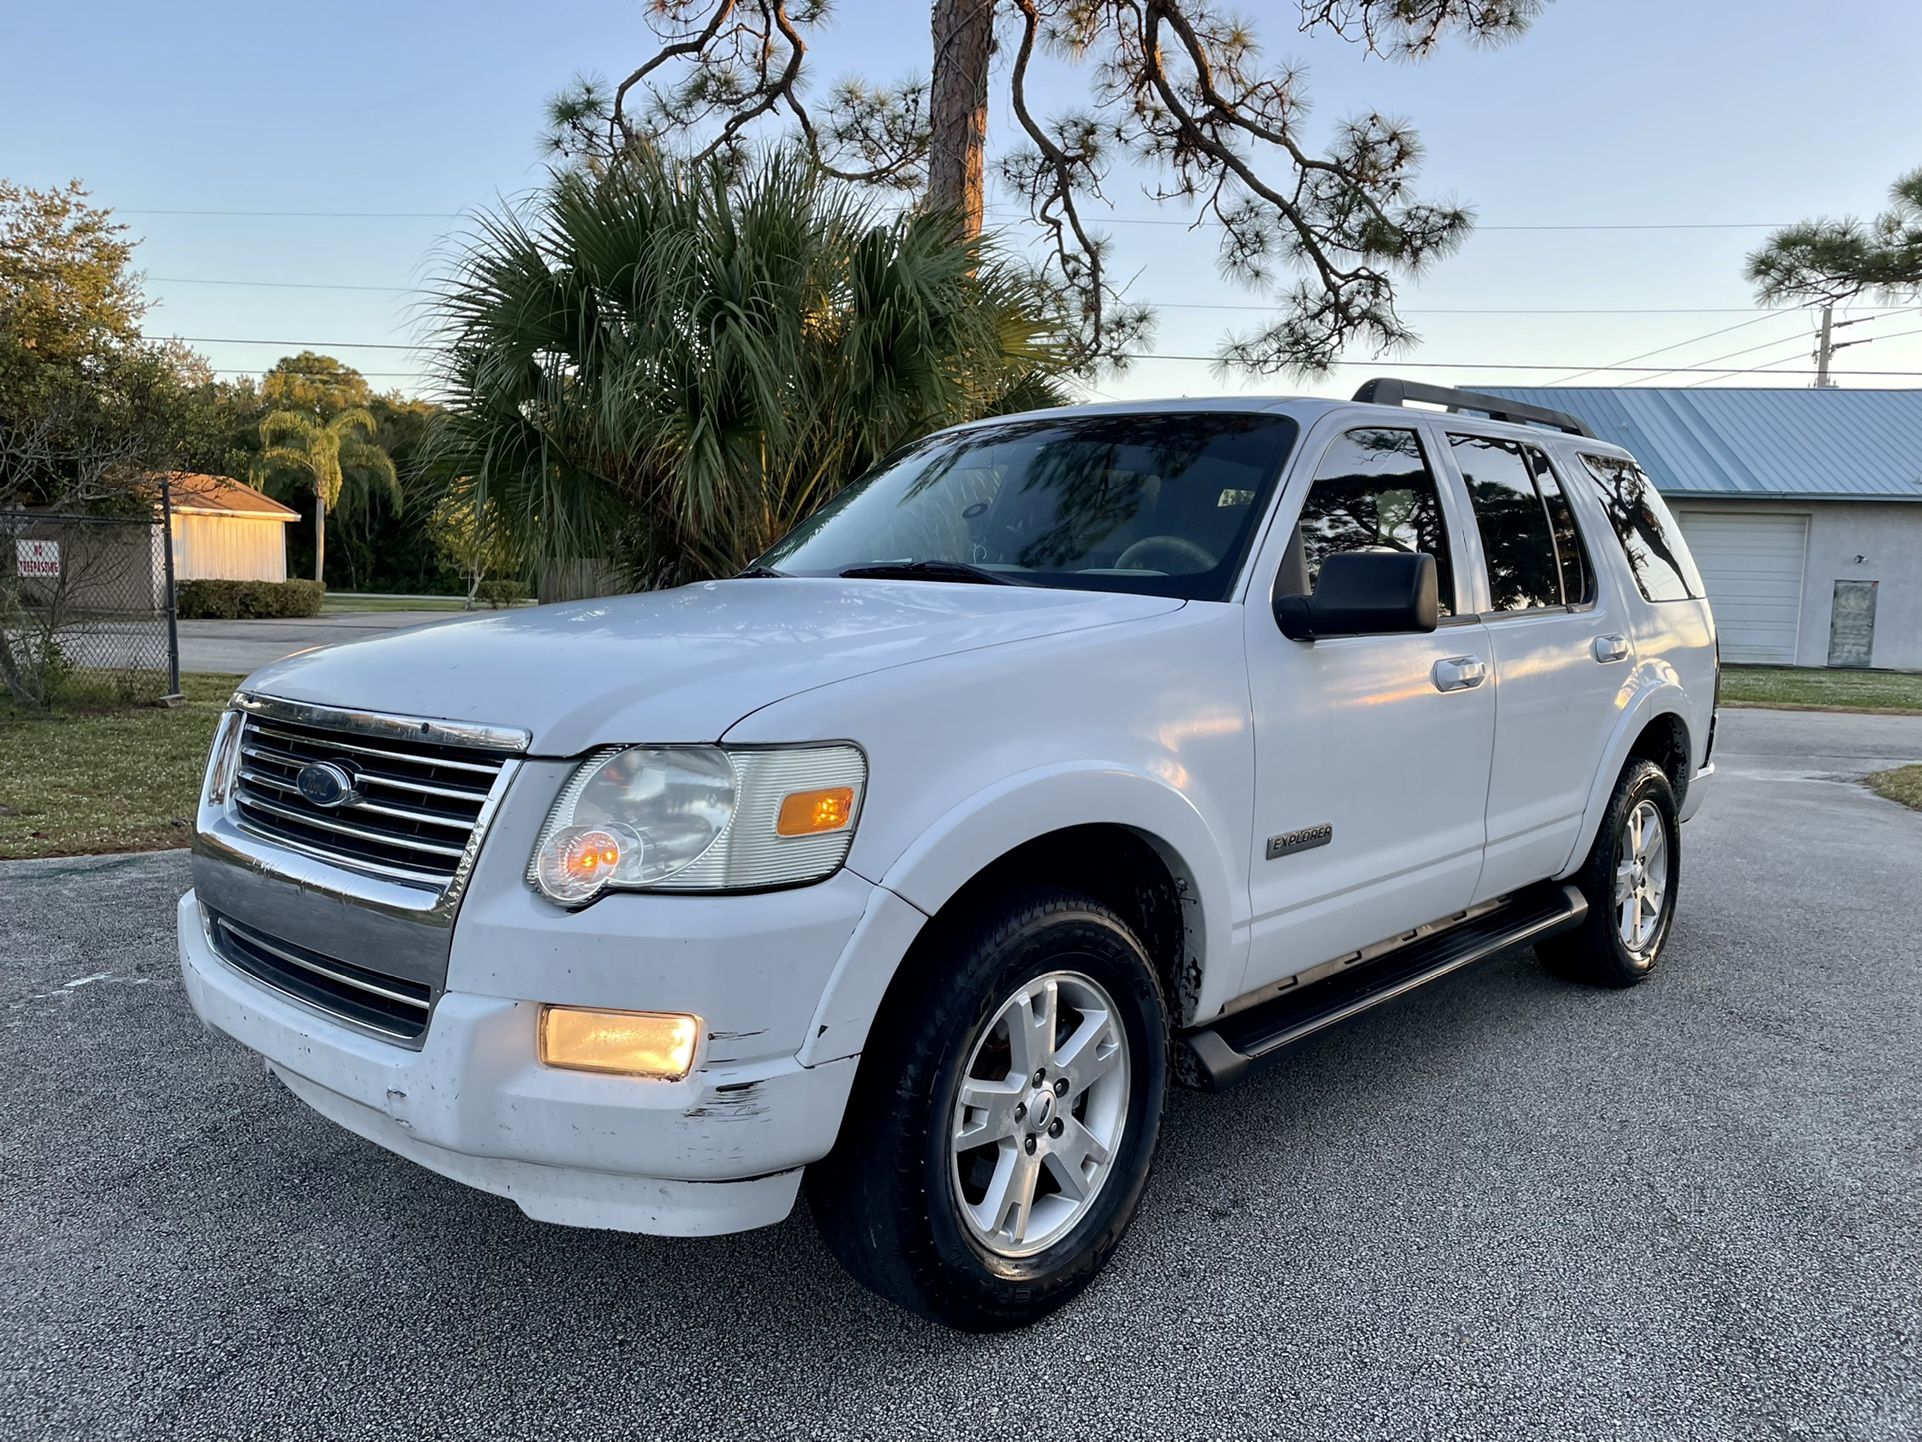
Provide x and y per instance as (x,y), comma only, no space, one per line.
(626,1043)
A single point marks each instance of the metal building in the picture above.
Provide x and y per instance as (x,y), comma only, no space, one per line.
(1803,509)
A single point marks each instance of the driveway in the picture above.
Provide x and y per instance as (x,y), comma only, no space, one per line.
(243,646)
(1504,1208)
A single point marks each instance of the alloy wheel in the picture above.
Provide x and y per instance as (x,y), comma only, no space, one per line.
(1641,877)
(1039,1114)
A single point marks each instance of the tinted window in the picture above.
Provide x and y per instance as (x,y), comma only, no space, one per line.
(1576,587)
(1523,573)
(1648,533)
(1372,491)
(1163,504)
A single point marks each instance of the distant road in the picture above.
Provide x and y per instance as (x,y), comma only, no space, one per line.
(242,646)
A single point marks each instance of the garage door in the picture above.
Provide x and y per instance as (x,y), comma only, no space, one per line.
(1752,565)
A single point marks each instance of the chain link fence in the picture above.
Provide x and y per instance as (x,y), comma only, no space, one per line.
(87,606)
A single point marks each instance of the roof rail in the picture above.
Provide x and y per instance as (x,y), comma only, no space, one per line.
(1387,391)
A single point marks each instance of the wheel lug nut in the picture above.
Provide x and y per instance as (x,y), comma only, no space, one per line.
(1030,1146)
(1020,1111)
(1055,1128)
(1061,1086)
(1040,1077)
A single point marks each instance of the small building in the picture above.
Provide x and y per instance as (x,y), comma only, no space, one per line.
(226,531)
(1803,509)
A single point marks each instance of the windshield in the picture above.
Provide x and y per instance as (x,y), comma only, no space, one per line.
(1157,504)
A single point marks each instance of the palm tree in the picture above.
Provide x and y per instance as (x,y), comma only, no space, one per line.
(335,459)
(665,364)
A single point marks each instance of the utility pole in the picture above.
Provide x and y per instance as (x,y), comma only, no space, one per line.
(1823,349)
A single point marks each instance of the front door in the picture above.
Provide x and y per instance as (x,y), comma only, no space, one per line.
(1371,752)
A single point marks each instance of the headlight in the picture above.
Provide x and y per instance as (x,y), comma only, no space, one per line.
(699,818)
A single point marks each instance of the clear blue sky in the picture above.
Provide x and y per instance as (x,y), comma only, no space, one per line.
(1717,112)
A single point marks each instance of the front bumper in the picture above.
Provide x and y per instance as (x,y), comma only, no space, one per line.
(720,1151)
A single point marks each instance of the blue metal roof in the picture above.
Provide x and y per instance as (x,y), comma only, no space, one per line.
(1829,445)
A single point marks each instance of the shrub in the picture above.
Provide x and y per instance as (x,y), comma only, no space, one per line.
(247,600)
(500,593)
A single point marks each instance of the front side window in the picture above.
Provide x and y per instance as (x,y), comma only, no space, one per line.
(1157,504)
(1524,573)
(1656,552)
(1373,491)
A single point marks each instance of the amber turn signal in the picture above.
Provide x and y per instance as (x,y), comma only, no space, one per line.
(805,813)
(652,1044)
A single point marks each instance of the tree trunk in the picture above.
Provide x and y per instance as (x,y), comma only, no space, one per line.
(320,534)
(958,109)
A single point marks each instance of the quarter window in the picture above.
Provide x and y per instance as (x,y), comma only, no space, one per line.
(1656,552)
(1524,573)
(1576,587)
(1372,492)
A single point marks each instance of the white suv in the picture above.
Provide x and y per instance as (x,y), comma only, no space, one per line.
(1063,755)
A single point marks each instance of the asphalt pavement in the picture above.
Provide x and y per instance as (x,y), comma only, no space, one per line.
(243,646)
(1504,1208)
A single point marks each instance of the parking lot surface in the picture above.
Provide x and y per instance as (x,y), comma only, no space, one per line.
(243,646)
(1506,1207)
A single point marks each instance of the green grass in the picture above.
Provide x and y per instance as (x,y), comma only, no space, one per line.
(1797,689)
(86,779)
(1903,784)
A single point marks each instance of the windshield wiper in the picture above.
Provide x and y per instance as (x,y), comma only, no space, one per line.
(925,571)
(755,573)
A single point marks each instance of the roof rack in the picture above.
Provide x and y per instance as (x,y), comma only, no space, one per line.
(1387,391)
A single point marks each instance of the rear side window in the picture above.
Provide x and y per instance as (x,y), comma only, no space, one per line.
(1372,492)
(1652,541)
(1524,572)
(1577,582)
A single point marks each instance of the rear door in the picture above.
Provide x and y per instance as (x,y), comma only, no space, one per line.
(1371,752)
(1560,650)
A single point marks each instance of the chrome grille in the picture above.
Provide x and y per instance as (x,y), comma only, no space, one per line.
(419,802)
(394,1006)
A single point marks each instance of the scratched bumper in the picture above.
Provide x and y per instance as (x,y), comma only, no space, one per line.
(718,1151)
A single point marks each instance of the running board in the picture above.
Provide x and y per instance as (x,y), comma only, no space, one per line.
(1235,1046)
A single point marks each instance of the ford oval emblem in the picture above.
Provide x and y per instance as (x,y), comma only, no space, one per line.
(327,784)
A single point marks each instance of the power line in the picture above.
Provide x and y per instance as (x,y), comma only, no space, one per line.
(1572,225)
(366,375)
(999,211)
(1663,350)
(1765,368)
(1246,305)
(304,214)
(1895,335)
(280,284)
(301,344)
(1395,365)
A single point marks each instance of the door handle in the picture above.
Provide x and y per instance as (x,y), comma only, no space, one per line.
(1459,673)
(1611,648)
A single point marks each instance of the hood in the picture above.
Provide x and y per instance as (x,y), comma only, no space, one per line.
(681,665)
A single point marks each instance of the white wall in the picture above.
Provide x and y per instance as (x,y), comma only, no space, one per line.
(229,548)
(1887,535)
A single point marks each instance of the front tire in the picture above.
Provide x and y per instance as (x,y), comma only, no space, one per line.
(1001,1129)
(1630,879)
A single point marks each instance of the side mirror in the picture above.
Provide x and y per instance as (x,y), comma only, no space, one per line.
(1364,593)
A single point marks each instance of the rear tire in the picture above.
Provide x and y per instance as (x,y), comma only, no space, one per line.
(1026,1054)
(1631,880)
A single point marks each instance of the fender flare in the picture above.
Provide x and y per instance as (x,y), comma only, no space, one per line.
(1655,691)
(992,822)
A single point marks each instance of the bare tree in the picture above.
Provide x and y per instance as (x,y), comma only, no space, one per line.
(1177,86)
